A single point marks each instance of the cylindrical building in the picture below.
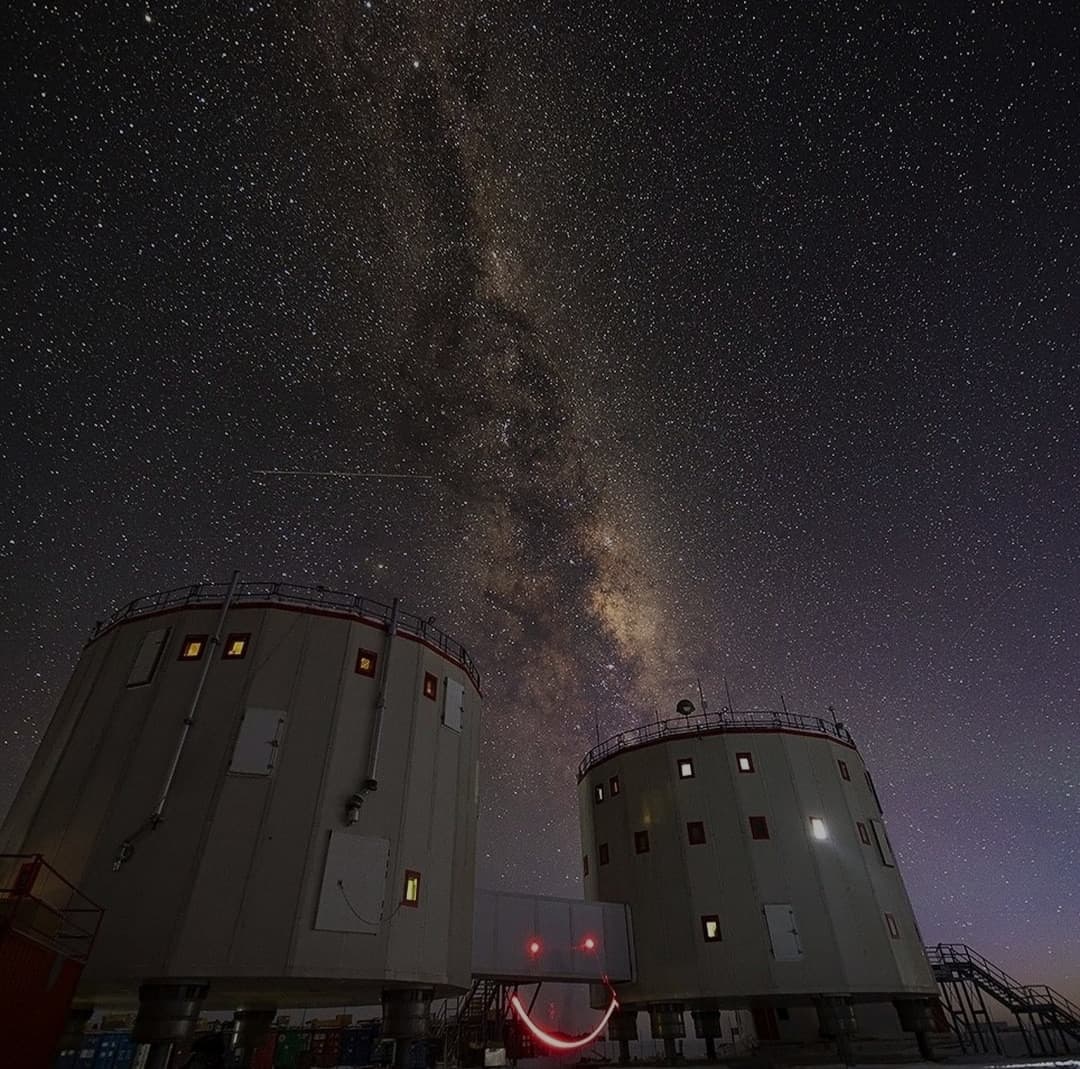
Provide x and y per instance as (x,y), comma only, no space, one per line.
(752,851)
(272,791)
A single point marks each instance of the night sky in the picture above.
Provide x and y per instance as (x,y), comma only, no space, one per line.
(739,340)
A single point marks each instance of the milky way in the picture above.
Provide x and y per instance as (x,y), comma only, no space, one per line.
(739,341)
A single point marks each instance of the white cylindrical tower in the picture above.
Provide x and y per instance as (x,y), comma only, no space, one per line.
(753,853)
(272,791)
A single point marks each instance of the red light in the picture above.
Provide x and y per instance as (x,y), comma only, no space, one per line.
(590,943)
(534,947)
(556,1043)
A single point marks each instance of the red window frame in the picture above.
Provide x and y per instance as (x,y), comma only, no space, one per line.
(759,828)
(695,832)
(864,835)
(405,900)
(431,686)
(603,853)
(371,657)
(844,773)
(706,920)
(641,842)
(738,763)
(613,783)
(236,636)
(202,640)
(894,928)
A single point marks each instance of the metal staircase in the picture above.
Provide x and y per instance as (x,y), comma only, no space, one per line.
(966,979)
(480,1017)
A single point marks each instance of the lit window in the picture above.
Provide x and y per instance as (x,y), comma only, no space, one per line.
(844,773)
(192,648)
(710,928)
(864,835)
(686,768)
(412,889)
(365,663)
(759,828)
(614,786)
(641,842)
(603,854)
(585,864)
(598,792)
(745,762)
(695,832)
(818,829)
(894,929)
(431,686)
(235,647)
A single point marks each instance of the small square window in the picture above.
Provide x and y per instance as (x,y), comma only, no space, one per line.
(235,647)
(844,773)
(818,829)
(745,762)
(641,842)
(585,864)
(603,854)
(686,768)
(894,929)
(411,897)
(759,828)
(192,648)
(365,663)
(598,792)
(614,785)
(864,835)
(431,686)
(695,832)
(710,928)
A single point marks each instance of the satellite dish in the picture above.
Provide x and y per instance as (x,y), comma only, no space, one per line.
(685,707)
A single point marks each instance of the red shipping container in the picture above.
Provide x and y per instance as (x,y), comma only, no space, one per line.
(37,985)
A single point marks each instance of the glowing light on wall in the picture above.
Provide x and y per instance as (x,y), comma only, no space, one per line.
(590,943)
(564,1044)
(534,947)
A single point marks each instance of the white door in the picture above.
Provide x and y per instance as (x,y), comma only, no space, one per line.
(783,932)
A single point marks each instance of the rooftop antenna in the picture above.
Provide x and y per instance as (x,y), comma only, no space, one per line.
(783,704)
(832,713)
(701,695)
(727,690)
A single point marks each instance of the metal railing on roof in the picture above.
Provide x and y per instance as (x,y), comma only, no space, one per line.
(710,723)
(290,594)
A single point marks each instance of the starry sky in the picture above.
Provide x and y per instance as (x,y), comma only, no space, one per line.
(736,340)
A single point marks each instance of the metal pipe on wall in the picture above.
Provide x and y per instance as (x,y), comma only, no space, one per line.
(215,641)
(380,701)
(371,780)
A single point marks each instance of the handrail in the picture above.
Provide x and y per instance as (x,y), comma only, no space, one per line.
(1026,995)
(29,878)
(292,594)
(710,723)
(1056,999)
